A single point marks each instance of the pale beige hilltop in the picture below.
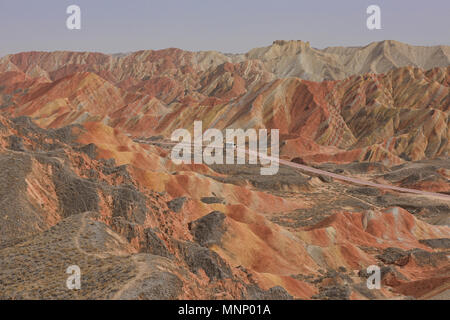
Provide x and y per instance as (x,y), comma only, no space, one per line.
(299,59)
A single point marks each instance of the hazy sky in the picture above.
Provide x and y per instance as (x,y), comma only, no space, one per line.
(227,25)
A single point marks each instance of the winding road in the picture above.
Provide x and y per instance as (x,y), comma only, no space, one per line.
(323,172)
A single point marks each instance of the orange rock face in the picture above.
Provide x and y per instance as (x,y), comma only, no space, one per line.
(88,178)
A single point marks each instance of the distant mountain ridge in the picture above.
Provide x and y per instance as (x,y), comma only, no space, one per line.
(298,59)
(292,58)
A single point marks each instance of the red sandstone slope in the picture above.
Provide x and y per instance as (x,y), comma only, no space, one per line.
(273,255)
(220,229)
(400,115)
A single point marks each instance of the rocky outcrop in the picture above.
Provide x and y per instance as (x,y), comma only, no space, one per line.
(209,229)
